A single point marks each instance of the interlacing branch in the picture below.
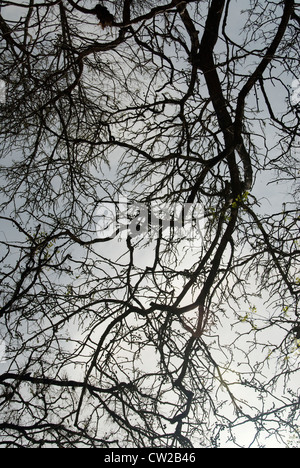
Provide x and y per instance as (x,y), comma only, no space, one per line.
(202,322)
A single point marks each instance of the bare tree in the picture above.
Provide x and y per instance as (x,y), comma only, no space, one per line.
(138,333)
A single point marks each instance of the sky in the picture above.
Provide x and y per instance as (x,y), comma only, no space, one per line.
(271,197)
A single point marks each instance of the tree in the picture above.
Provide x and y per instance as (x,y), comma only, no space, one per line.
(125,326)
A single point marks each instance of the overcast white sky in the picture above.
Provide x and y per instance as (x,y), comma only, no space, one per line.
(271,197)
